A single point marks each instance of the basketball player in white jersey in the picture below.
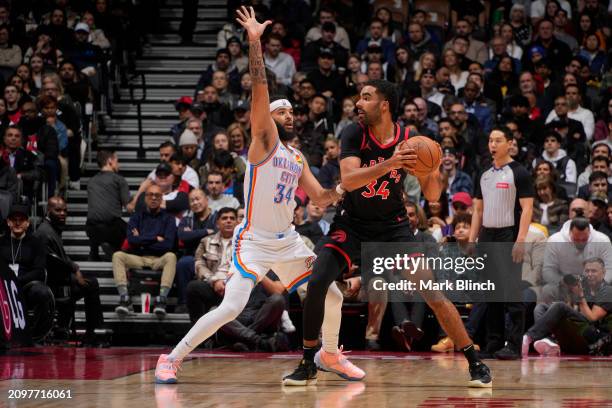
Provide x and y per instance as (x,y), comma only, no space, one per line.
(266,238)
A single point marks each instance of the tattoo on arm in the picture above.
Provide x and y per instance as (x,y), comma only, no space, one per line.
(257,68)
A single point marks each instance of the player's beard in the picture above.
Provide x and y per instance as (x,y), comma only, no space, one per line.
(283,134)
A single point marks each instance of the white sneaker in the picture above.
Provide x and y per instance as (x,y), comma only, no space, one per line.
(286,323)
(547,348)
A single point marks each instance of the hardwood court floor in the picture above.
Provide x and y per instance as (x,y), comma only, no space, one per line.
(123,377)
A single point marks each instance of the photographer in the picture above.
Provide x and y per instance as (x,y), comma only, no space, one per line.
(588,304)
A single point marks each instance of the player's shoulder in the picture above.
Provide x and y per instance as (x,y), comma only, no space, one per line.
(518,169)
(355,129)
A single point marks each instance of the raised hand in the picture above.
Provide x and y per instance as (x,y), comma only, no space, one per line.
(246,18)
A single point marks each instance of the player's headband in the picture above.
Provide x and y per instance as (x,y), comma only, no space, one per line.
(280,103)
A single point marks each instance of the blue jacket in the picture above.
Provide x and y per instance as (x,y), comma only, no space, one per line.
(461,182)
(149,227)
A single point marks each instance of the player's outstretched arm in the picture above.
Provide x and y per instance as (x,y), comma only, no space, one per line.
(431,185)
(320,196)
(263,130)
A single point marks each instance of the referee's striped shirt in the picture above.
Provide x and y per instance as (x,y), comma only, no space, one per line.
(500,189)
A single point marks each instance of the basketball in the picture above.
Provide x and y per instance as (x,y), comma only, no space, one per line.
(429,154)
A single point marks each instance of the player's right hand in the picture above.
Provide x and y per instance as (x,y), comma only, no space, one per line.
(246,18)
(403,158)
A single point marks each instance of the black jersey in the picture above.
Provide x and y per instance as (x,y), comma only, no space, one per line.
(382,199)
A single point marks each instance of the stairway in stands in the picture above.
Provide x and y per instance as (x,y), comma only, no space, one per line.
(168,71)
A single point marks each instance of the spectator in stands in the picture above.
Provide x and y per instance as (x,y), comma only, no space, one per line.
(151,236)
(58,23)
(82,53)
(304,128)
(598,163)
(239,141)
(220,83)
(174,189)
(328,15)
(234,46)
(557,52)
(28,166)
(50,232)
(25,254)
(603,128)
(9,185)
(212,261)
(217,199)
(68,115)
(182,106)
(314,50)
(598,183)
(457,180)
(107,194)
(375,37)
(329,173)
(195,226)
(569,248)
(217,114)
(555,154)
(349,115)
(548,210)
(189,144)
(223,62)
(291,46)
(40,138)
(36,70)
(76,85)
(591,294)
(474,104)
(598,204)
(46,50)
(325,79)
(25,73)
(11,97)
(96,35)
(10,53)
(469,132)
(576,111)
(277,61)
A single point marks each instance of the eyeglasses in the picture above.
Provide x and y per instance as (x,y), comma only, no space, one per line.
(154,195)
(457,112)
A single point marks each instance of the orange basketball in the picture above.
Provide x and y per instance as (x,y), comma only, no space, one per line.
(429,154)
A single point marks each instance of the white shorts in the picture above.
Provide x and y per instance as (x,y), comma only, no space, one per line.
(255,253)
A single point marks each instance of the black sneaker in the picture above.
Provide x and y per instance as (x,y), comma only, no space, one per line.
(160,307)
(507,353)
(125,306)
(481,376)
(372,345)
(305,374)
(601,347)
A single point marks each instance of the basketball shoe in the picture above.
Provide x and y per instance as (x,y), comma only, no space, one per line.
(165,372)
(481,376)
(305,374)
(547,348)
(338,363)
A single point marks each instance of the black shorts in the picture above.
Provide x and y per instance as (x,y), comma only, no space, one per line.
(346,235)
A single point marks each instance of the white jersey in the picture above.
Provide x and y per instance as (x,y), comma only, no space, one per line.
(269,190)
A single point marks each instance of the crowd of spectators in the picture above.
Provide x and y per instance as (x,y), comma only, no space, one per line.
(540,68)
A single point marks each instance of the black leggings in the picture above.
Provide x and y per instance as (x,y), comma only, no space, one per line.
(327,268)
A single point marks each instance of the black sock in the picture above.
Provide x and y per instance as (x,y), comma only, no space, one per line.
(309,353)
(470,354)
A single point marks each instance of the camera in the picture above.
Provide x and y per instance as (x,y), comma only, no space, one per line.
(572,280)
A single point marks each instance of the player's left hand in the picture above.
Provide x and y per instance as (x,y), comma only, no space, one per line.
(246,18)
(518,252)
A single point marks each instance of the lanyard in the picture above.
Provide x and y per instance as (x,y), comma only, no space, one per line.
(15,255)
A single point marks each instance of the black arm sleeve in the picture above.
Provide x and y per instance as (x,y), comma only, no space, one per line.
(352,137)
(523,182)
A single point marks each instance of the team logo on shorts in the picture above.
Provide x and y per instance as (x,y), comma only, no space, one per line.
(338,236)
(309,262)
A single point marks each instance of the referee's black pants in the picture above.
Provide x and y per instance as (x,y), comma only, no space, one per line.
(506,299)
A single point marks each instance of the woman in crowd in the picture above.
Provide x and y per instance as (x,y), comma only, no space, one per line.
(549,210)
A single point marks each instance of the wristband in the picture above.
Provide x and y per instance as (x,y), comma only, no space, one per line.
(340,190)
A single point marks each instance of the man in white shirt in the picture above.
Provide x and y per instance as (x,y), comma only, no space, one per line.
(576,112)
(216,198)
(558,157)
(277,61)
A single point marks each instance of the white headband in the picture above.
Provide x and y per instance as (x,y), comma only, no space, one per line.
(280,103)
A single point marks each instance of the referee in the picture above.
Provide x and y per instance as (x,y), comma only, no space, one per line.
(503,207)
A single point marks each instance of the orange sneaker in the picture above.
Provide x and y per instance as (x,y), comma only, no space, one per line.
(338,363)
(165,372)
(443,346)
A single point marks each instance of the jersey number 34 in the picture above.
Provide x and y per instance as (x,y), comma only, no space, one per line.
(282,195)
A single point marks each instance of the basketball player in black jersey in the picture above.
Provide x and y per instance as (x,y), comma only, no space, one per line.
(372,172)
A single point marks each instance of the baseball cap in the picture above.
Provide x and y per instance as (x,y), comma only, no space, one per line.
(163,168)
(462,197)
(234,39)
(450,150)
(326,52)
(197,108)
(329,27)
(19,209)
(446,87)
(599,197)
(241,106)
(81,27)
(183,101)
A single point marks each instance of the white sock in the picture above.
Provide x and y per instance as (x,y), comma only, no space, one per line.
(237,292)
(332,319)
